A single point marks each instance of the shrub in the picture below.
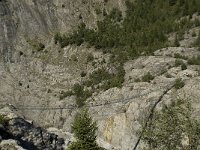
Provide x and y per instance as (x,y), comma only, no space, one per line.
(197,42)
(81,94)
(74,58)
(177,55)
(36,45)
(137,80)
(3,119)
(179,84)
(57,38)
(194,34)
(147,77)
(194,60)
(66,94)
(90,57)
(98,11)
(178,62)
(99,75)
(40,47)
(183,66)
(168,75)
(176,42)
(83,74)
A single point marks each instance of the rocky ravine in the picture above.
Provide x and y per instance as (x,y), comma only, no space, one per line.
(32,81)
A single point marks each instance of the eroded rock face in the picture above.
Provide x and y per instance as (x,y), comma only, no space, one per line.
(32,81)
(20,132)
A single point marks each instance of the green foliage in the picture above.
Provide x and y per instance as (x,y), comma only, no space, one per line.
(74,58)
(107,79)
(183,66)
(177,55)
(90,57)
(81,94)
(194,34)
(36,45)
(169,127)
(57,38)
(100,75)
(98,11)
(194,60)
(83,74)
(65,94)
(176,42)
(167,75)
(179,83)
(137,80)
(197,42)
(84,129)
(143,30)
(147,77)
(178,62)
(3,119)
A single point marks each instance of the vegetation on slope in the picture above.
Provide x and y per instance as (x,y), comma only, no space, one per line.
(3,119)
(144,29)
(173,128)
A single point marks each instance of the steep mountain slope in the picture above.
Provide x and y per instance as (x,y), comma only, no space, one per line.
(36,73)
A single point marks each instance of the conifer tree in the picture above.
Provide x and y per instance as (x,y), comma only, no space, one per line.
(176,42)
(84,129)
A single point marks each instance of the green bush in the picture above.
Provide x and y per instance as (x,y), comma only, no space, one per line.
(197,42)
(36,45)
(176,42)
(81,94)
(83,74)
(66,94)
(168,75)
(57,38)
(179,83)
(90,57)
(194,34)
(177,55)
(147,77)
(178,62)
(183,66)
(137,80)
(99,75)
(40,47)
(3,119)
(194,60)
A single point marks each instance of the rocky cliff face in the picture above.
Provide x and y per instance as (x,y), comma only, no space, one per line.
(32,80)
(17,133)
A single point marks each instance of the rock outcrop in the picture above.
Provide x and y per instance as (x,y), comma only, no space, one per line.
(17,133)
(31,80)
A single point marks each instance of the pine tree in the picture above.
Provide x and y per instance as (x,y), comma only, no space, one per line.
(176,42)
(197,42)
(84,129)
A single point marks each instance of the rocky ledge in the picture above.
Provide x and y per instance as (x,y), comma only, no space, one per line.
(17,133)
